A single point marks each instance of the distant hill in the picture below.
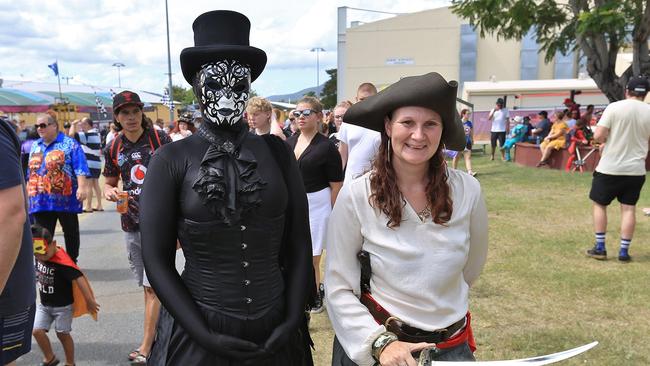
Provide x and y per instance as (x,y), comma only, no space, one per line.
(293,97)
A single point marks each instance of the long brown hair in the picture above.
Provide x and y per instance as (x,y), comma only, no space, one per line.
(386,196)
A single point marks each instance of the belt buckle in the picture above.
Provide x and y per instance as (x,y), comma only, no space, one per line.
(393,318)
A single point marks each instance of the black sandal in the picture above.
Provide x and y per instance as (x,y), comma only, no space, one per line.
(53,362)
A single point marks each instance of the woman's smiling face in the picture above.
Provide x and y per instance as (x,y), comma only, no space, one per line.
(415,134)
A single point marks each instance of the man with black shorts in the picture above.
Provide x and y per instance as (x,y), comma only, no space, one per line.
(624,129)
(499,117)
(17,285)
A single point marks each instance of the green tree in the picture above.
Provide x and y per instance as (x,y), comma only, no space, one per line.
(328,94)
(183,95)
(598,28)
(310,93)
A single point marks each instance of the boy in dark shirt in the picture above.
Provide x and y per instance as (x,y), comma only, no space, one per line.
(65,293)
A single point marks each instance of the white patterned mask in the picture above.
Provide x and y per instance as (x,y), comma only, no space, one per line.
(223,91)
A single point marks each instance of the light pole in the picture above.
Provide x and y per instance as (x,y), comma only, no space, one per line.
(317,50)
(118,65)
(67,79)
(169,68)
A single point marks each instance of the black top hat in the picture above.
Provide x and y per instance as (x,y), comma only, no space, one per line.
(221,35)
(429,91)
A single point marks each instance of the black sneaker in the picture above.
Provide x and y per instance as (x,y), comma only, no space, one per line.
(318,306)
(624,257)
(597,254)
(321,292)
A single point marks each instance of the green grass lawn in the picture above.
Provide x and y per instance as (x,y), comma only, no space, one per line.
(539,293)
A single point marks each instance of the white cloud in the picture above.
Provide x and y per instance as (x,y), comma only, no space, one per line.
(88,36)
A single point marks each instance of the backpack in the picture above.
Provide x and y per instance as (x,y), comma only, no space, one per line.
(116,144)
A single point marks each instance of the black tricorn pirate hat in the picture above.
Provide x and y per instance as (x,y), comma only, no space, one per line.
(429,91)
(221,35)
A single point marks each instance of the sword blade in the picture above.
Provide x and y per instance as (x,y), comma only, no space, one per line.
(532,361)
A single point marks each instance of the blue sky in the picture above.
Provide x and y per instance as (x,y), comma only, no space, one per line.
(88,36)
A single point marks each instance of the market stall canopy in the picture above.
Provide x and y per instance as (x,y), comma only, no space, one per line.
(35,97)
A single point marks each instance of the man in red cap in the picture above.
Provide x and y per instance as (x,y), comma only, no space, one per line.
(127,157)
(572,106)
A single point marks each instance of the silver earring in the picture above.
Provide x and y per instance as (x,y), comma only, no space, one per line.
(388,149)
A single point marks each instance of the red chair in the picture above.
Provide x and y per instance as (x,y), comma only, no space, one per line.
(576,161)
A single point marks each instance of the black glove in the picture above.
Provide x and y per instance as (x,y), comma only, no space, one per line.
(235,348)
(279,337)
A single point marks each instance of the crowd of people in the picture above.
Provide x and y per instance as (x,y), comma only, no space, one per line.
(566,129)
(383,154)
(253,201)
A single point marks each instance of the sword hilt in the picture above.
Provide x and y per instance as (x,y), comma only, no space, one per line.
(426,356)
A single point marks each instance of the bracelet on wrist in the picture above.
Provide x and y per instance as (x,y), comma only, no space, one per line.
(381,342)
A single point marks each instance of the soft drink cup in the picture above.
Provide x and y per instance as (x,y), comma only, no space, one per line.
(122,202)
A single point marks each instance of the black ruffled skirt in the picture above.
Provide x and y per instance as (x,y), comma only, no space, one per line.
(173,346)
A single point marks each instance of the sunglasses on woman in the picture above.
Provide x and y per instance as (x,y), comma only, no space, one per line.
(304,112)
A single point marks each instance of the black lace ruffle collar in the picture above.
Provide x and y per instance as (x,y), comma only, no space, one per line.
(228,182)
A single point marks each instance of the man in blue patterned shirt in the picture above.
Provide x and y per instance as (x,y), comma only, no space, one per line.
(57,181)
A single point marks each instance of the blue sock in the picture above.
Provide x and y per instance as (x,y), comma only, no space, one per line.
(625,245)
(600,241)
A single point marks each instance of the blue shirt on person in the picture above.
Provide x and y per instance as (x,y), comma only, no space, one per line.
(53,171)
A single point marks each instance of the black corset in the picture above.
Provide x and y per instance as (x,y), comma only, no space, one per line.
(234,269)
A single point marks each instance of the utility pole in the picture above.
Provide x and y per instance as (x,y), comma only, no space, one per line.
(119,80)
(317,50)
(169,68)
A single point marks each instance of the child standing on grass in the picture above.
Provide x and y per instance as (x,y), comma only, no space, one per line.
(469,141)
(64,292)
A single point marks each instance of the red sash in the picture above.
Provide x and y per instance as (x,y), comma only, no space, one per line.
(466,335)
(79,306)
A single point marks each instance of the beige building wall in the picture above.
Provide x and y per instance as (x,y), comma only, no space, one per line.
(546,70)
(425,41)
(160,111)
(382,52)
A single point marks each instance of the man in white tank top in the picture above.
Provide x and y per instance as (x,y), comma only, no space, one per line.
(358,145)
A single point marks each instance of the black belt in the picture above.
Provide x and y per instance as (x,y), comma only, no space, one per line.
(405,332)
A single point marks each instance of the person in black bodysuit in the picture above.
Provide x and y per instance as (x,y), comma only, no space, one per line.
(238,206)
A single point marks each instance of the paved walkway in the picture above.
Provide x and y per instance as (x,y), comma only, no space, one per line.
(119,328)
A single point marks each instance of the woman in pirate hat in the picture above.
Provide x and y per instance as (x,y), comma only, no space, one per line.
(237,205)
(407,239)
